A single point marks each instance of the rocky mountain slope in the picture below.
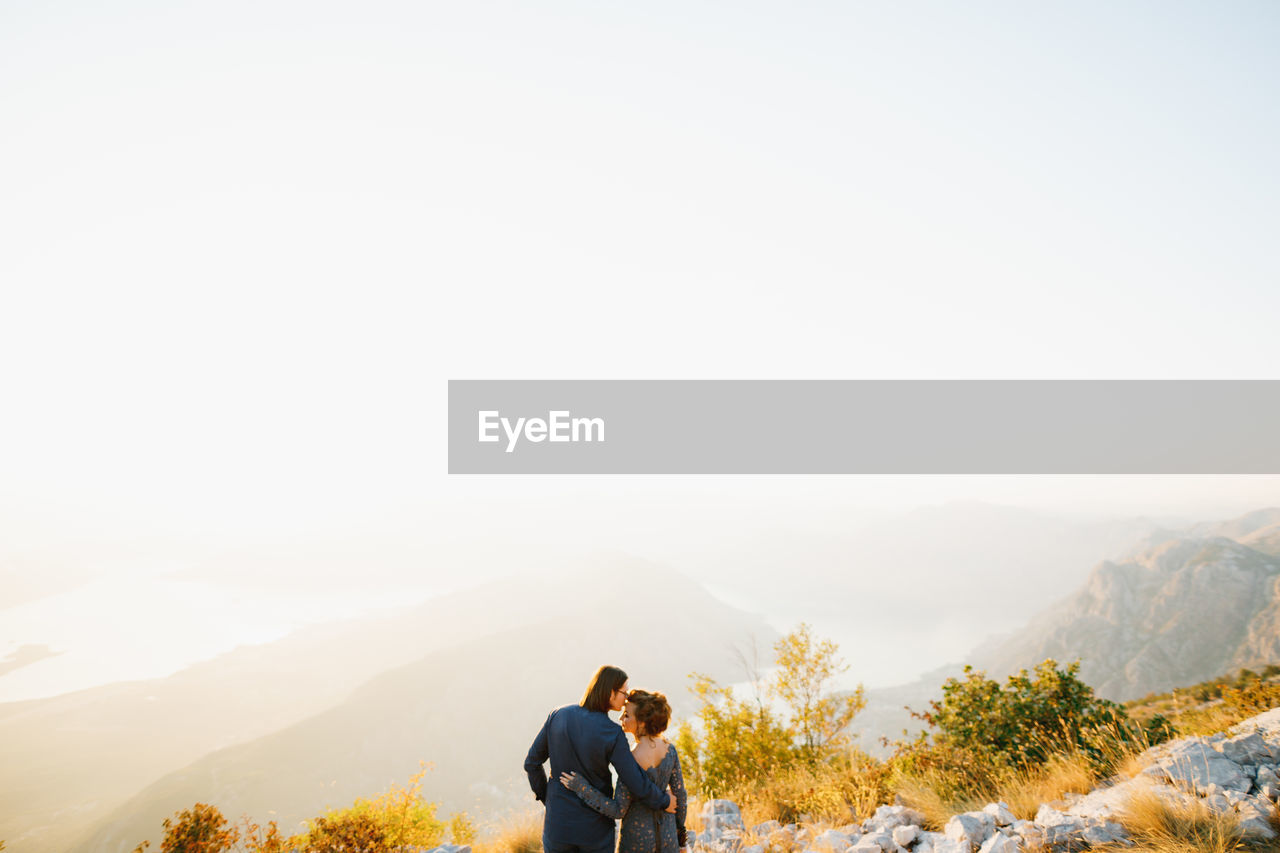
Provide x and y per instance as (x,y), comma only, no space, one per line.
(1235,774)
(1183,606)
(1178,613)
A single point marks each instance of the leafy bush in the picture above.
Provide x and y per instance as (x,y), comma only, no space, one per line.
(1031,718)
(398,817)
(203,829)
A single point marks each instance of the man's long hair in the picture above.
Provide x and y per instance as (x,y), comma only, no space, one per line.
(606,681)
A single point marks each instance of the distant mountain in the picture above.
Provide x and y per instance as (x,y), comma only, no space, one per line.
(68,761)
(1183,605)
(1180,612)
(875,587)
(471,709)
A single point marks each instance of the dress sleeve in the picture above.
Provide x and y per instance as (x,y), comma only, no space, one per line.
(682,800)
(629,773)
(615,808)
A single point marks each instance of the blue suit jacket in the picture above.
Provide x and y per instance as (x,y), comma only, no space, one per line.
(584,742)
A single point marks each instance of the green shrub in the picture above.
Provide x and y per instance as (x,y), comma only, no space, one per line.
(1031,718)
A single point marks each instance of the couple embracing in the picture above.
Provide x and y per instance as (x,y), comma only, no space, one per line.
(582,742)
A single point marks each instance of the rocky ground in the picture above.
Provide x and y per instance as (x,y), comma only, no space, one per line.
(1232,773)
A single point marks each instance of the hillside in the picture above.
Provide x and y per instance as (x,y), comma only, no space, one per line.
(1181,612)
(1181,607)
(454,709)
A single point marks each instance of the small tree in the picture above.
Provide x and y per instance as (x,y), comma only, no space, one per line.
(740,744)
(819,719)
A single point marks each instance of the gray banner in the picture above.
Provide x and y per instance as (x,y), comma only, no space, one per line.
(863,427)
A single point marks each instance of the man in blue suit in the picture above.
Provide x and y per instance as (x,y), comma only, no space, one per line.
(583,739)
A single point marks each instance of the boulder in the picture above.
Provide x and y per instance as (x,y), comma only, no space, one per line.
(904,836)
(1197,773)
(1104,803)
(1255,820)
(711,807)
(1001,813)
(882,840)
(764,830)
(1257,827)
(999,843)
(833,839)
(943,844)
(1030,833)
(1060,829)
(887,817)
(1218,804)
(728,842)
(1097,833)
(972,827)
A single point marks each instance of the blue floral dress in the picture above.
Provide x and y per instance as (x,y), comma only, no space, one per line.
(643,829)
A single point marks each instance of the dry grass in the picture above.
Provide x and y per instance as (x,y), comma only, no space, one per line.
(1158,826)
(828,795)
(1025,790)
(519,833)
(932,793)
(927,793)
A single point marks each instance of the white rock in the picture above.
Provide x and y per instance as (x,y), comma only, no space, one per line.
(1103,832)
(1108,802)
(951,845)
(1001,813)
(717,807)
(1032,834)
(903,836)
(999,843)
(887,817)
(973,827)
(1247,749)
(1257,827)
(882,840)
(833,839)
(1197,774)
(1047,816)
(767,828)
(753,848)
(1219,805)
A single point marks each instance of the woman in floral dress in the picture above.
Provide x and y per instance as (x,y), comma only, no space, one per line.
(645,717)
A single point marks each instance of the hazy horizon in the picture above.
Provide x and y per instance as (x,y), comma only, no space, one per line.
(107,602)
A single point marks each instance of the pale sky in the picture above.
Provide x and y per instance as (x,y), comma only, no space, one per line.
(246,244)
